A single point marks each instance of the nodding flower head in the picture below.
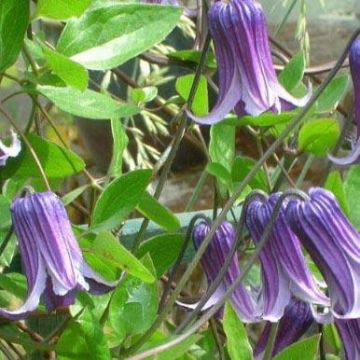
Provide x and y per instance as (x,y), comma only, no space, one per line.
(292,326)
(247,78)
(51,257)
(212,262)
(284,269)
(354,62)
(12,150)
(334,245)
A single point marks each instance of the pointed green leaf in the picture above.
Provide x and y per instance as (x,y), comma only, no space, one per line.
(237,341)
(301,350)
(88,104)
(155,211)
(61,9)
(119,198)
(108,247)
(14,19)
(109,34)
(72,73)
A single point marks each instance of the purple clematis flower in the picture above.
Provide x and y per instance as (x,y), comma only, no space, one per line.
(284,269)
(293,325)
(334,245)
(51,257)
(247,78)
(349,331)
(10,151)
(212,261)
(354,61)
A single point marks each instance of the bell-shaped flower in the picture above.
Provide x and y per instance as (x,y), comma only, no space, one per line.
(12,150)
(283,266)
(292,326)
(334,245)
(247,78)
(349,331)
(51,257)
(212,262)
(354,62)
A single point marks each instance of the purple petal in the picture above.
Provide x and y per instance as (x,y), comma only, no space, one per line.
(275,294)
(53,301)
(46,220)
(333,243)
(354,63)
(352,158)
(35,289)
(293,325)
(349,331)
(213,260)
(10,151)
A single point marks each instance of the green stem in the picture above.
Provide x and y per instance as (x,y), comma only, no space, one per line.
(196,192)
(304,171)
(24,342)
(271,341)
(6,240)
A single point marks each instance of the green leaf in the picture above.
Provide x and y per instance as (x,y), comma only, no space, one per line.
(134,305)
(319,137)
(108,247)
(119,198)
(176,352)
(5,224)
(221,174)
(222,145)
(56,161)
(72,73)
(72,195)
(351,187)
(237,341)
(335,184)
(145,94)
(61,9)
(88,104)
(194,56)
(333,93)
(263,120)
(14,19)
(83,339)
(293,73)
(163,250)
(331,337)
(200,103)
(153,210)
(112,33)
(242,166)
(120,142)
(301,350)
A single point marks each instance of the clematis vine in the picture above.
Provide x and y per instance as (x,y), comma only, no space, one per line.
(293,325)
(51,257)
(12,150)
(283,266)
(334,245)
(247,78)
(354,62)
(212,261)
(349,331)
